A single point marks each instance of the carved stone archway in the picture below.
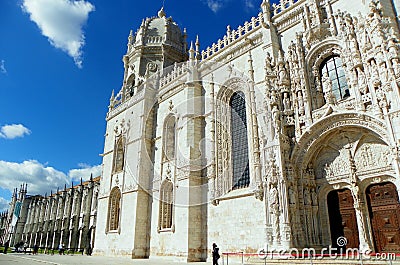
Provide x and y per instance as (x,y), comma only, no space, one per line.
(338,153)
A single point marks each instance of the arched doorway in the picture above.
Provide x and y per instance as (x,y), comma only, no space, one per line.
(384,211)
(342,219)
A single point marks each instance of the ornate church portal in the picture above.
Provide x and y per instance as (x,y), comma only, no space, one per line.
(350,170)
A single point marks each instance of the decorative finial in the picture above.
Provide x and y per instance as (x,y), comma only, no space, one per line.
(197,44)
(191,51)
(161,13)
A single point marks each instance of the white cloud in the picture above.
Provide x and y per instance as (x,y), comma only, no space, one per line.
(3,69)
(61,21)
(14,131)
(3,204)
(41,178)
(249,4)
(84,172)
(214,5)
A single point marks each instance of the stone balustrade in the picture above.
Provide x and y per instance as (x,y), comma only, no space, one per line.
(282,6)
(232,36)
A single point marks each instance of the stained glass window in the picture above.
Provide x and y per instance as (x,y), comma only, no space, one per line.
(114,209)
(240,157)
(166,203)
(334,68)
(119,155)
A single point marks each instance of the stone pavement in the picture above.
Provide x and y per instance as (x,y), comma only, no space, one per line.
(43,259)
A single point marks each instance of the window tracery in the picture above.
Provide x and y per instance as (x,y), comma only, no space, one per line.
(119,155)
(169,138)
(334,79)
(166,205)
(114,209)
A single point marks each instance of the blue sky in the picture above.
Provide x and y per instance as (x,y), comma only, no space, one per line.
(59,62)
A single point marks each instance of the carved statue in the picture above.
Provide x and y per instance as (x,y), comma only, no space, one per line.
(286,103)
(282,75)
(307,197)
(300,102)
(330,99)
(276,119)
(268,64)
(374,74)
(314,198)
(362,84)
(292,197)
(396,67)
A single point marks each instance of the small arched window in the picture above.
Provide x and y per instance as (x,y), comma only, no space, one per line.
(333,68)
(240,153)
(114,209)
(169,138)
(119,155)
(166,205)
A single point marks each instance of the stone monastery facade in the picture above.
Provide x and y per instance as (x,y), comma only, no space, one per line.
(286,132)
(67,217)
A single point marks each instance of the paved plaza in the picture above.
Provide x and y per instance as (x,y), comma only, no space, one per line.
(41,259)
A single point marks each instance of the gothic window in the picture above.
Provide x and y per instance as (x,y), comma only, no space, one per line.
(131,85)
(166,205)
(333,67)
(114,208)
(169,138)
(240,158)
(119,155)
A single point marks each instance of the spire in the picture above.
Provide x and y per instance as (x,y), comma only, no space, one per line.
(81,181)
(197,47)
(266,10)
(191,51)
(91,177)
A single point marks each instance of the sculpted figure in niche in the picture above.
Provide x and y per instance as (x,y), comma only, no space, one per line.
(374,73)
(362,84)
(274,99)
(327,88)
(314,197)
(383,73)
(286,103)
(273,200)
(282,74)
(292,197)
(307,197)
(300,102)
(276,118)
(268,64)
(396,67)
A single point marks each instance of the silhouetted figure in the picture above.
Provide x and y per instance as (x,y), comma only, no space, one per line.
(89,250)
(35,249)
(215,254)
(6,245)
